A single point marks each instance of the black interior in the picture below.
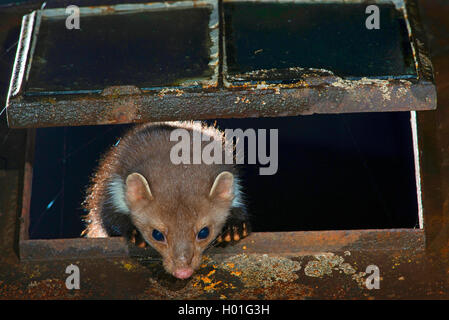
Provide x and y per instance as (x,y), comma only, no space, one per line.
(336,172)
(316,35)
(145,49)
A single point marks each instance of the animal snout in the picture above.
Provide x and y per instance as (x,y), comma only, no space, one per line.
(183,273)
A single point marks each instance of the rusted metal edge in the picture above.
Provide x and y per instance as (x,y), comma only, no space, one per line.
(433,140)
(57,249)
(365,95)
(27,185)
(271,243)
(418,38)
(306,242)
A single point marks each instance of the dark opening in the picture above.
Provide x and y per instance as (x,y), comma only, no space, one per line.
(330,36)
(336,172)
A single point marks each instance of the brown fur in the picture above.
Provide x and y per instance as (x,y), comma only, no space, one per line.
(178,203)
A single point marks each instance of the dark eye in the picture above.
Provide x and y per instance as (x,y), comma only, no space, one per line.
(203,234)
(157,235)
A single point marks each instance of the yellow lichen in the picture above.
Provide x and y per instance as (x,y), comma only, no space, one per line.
(212,286)
(210,273)
(206,280)
(127,266)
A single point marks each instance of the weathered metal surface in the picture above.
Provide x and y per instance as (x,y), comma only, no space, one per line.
(72,248)
(293,243)
(337,275)
(332,97)
(314,91)
(419,39)
(433,128)
(27,185)
(279,243)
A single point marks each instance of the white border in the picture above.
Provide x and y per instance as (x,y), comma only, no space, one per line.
(414,126)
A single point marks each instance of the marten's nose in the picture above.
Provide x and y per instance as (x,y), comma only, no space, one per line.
(183,273)
(182,263)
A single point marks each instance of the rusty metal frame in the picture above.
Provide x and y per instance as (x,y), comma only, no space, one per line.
(353,88)
(274,243)
(192,103)
(407,273)
(211,81)
(318,92)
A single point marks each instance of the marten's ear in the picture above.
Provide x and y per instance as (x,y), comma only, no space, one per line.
(137,189)
(223,187)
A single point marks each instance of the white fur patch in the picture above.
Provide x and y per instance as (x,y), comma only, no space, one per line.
(116,191)
(237,201)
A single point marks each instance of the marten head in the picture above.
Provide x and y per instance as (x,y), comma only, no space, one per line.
(180,222)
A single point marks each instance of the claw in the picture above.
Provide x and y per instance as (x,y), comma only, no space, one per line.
(233,232)
(245,231)
(236,234)
(142,244)
(137,239)
(133,237)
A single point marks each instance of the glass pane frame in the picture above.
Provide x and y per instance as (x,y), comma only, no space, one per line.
(317,92)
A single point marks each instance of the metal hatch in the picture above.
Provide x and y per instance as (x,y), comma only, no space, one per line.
(183,60)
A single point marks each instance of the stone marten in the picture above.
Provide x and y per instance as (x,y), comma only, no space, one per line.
(178,209)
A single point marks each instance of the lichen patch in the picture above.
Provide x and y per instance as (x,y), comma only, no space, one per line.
(326,263)
(257,270)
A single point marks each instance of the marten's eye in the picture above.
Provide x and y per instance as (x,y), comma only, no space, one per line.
(157,235)
(203,234)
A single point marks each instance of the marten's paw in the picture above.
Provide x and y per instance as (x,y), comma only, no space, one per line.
(137,239)
(234,231)
(237,227)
